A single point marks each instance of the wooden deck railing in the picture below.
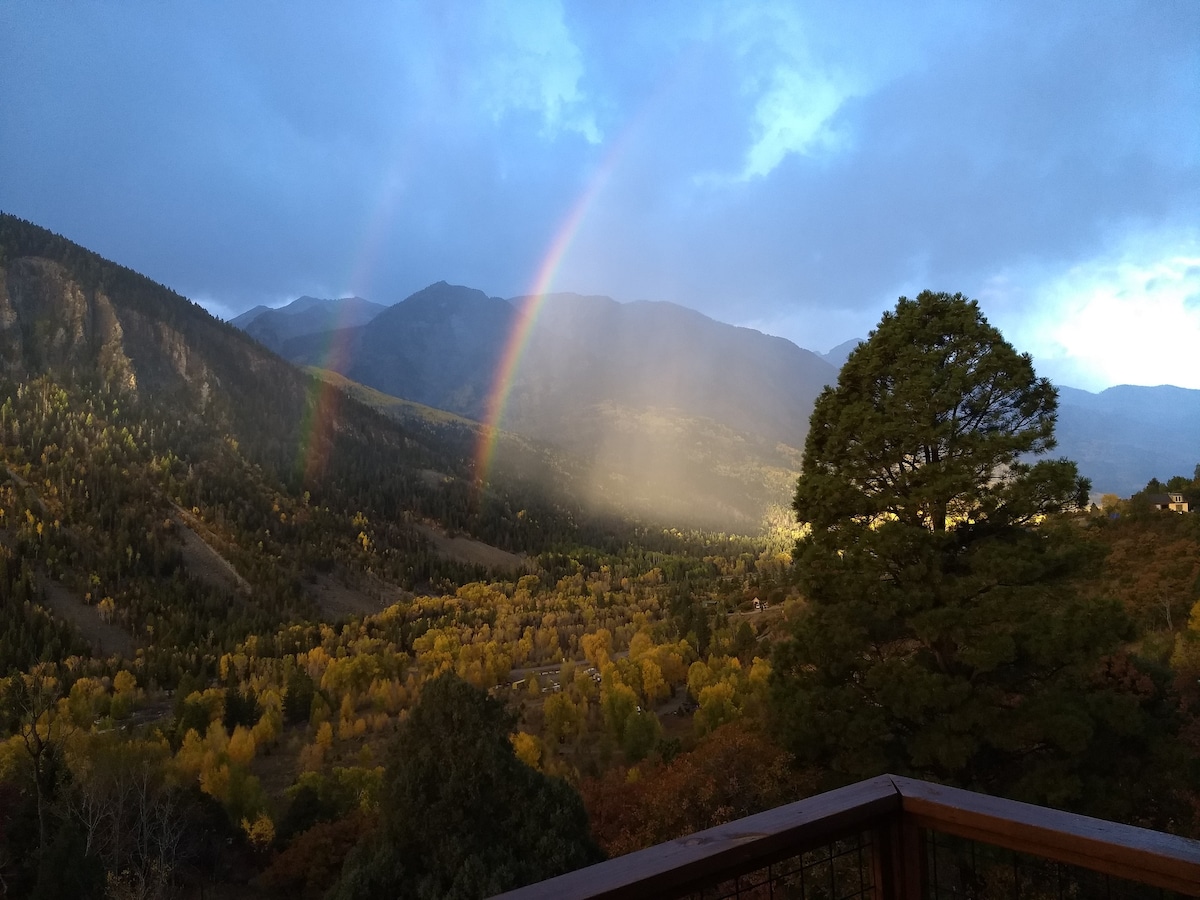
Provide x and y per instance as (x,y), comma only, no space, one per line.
(893,819)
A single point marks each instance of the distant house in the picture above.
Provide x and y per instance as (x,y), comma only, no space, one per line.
(1173,501)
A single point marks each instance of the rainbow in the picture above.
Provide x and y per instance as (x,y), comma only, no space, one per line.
(518,338)
(527,313)
(316,431)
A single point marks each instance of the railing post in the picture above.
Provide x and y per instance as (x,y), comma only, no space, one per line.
(898,860)
(885,861)
(916,861)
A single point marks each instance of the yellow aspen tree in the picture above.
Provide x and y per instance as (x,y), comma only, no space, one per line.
(597,647)
(190,757)
(699,677)
(124,682)
(215,780)
(528,749)
(561,717)
(717,706)
(639,645)
(260,832)
(346,717)
(241,746)
(654,686)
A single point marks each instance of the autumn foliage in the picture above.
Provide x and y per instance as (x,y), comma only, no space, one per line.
(311,863)
(735,772)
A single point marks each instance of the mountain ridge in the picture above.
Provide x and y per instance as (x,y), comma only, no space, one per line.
(223,404)
(304,316)
(589,366)
(589,354)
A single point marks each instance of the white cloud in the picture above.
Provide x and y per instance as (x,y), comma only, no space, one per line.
(531,63)
(801,63)
(796,80)
(1132,317)
(793,116)
(218,308)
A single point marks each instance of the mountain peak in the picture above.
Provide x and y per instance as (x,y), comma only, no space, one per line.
(305,315)
(442,294)
(244,319)
(838,355)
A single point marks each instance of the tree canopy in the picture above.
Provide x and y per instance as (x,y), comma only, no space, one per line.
(461,815)
(941,634)
(929,424)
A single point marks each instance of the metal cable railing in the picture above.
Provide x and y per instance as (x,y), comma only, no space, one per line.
(841,870)
(960,869)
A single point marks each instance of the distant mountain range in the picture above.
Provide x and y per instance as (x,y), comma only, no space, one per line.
(304,316)
(666,412)
(1126,435)
(645,408)
(646,392)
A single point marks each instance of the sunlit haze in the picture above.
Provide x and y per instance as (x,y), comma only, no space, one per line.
(793,167)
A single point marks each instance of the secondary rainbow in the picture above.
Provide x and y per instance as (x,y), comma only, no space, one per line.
(323,403)
(325,399)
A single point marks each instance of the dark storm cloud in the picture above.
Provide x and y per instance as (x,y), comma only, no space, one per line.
(793,166)
(999,147)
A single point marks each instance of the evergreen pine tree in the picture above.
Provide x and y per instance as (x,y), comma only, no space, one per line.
(941,637)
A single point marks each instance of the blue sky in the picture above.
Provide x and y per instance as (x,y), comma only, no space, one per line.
(793,167)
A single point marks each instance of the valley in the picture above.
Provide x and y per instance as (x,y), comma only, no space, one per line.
(236,579)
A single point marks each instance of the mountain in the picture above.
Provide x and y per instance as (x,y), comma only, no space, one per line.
(438,347)
(654,355)
(838,355)
(304,316)
(442,347)
(666,413)
(181,487)
(249,316)
(1126,435)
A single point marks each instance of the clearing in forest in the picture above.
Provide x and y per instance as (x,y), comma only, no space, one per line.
(202,561)
(104,637)
(338,600)
(472,552)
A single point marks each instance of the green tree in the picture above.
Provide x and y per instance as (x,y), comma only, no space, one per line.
(642,732)
(941,636)
(460,815)
(297,699)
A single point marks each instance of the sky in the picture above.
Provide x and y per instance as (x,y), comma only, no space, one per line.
(791,167)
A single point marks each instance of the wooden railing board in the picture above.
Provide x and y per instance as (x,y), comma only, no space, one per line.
(723,852)
(1123,851)
(894,811)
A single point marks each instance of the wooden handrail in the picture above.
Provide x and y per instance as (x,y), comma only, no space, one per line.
(736,847)
(894,809)
(1123,851)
